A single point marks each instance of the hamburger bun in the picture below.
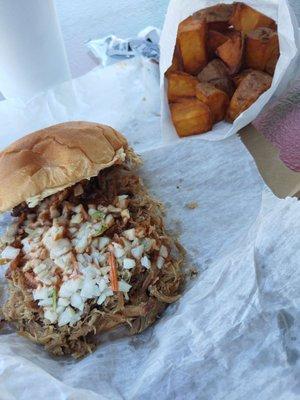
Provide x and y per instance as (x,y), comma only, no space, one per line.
(51,159)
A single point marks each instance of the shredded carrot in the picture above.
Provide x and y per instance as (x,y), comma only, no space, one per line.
(74,263)
(113,272)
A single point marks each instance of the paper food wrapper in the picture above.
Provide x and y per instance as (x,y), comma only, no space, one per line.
(234,334)
(179,10)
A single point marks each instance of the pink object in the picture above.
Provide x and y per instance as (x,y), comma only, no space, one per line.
(280,123)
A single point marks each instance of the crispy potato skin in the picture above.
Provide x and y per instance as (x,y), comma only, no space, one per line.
(181,85)
(216,72)
(215,69)
(225,84)
(237,79)
(177,64)
(232,53)
(215,39)
(192,39)
(262,50)
(250,88)
(191,117)
(217,17)
(245,19)
(214,98)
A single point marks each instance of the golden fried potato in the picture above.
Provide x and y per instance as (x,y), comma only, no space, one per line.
(176,61)
(217,17)
(214,98)
(262,50)
(272,62)
(215,69)
(250,88)
(215,39)
(232,53)
(237,79)
(192,38)
(245,19)
(180,85)
(225,84)
(216,73)
(231,33)
(186,22)
(191,117)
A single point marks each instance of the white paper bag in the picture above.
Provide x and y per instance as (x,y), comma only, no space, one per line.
(279,10)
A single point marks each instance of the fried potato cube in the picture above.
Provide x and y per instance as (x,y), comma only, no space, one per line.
(216,73)
(215,69)
(176,61)
(216,39)
(237,79)
(192,37)
(180,85)
(216,16)
(231,33)
(186,22)
(272,62)
(214,98)
(232,53)
(225,84)
(249,90)
(262,50)
(191,117)
(245,19)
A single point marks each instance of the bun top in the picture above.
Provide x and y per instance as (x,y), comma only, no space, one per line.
(54,158)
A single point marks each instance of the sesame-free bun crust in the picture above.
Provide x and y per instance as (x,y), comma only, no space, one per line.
(46,161)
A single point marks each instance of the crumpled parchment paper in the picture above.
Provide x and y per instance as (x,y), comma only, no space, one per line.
(288,35)
(234,334)
(111,49)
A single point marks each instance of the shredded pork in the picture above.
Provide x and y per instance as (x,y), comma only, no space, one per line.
(88,259)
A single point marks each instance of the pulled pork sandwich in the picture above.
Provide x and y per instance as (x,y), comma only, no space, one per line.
(86,250)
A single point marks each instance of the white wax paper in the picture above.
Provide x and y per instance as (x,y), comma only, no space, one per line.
(235,332)
(279,10)
(123,95)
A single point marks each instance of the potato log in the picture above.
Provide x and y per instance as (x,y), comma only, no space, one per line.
(192,38)
(216,16)
(190,117)
(247,93)
(262,50)
(246,19)
(232,52)
(180,85)
(214,98)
